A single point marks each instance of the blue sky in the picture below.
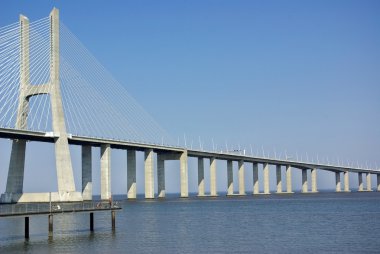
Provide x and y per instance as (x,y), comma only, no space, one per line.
(301,76)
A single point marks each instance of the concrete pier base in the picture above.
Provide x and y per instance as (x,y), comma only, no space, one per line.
(241,178)
(338,187)
(378,182)
(266,178)
(230,178)
(304,181)
(149,174)
(42,197)
(213,191)
(131,174)
(255,178)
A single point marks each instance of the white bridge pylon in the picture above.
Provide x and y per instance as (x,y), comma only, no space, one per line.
(65,177)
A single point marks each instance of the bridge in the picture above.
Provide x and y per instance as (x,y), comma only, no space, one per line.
(46,95)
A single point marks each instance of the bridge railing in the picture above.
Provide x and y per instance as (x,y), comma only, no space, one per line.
(44,208)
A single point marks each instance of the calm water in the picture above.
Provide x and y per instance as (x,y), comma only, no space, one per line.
(313,223)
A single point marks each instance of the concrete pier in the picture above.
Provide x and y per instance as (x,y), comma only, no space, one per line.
(289,179)
(65,175)
(201,177)
(369,182)
(161,176)
(149,174)
(304,181)
(278,177)
(105,172)
(86,173)
(184,175)
(15,178)
(241,178)
(255,178)
(213,191)
(346,182)
(360,178)
(314,180)
(131,174)
(378,182)
(266,178)
(338,187)
(230,178)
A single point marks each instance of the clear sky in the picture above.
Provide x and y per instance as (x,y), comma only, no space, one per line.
(301,76)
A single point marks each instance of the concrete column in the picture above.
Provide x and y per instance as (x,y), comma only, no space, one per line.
(304,181)
(161,176)
(15,178)
(255,178)
(314,180)
(131,174)
(230,178)
(278,177)
(26,227)
(337,182)
(360,177)
(378,182)
(369,184)
(241,178)
(213,176)
(289,179)
(65,175)
(86,173)
(105,172)
(266,178)
(149,174)
(346,182)
(201,177)
(184,175)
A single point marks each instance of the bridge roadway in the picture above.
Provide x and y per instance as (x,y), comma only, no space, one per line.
(128,145)
(174,153)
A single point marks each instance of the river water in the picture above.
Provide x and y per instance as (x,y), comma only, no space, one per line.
(297,223)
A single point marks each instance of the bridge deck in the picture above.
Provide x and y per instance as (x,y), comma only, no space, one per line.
(119,144)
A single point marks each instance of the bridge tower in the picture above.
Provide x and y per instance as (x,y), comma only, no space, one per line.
(65,176)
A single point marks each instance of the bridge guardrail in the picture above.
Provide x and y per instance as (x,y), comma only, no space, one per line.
(20,209)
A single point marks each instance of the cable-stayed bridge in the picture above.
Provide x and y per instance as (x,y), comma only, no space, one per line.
(53,90)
